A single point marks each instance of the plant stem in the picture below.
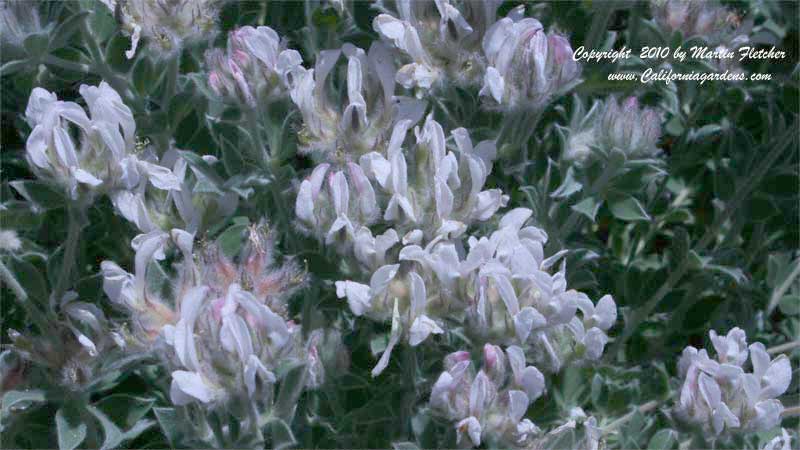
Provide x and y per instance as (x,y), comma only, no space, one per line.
(75,214)
(777,294)
(738,199)
(67,65)
(791,412)
(784,347)
(643,409)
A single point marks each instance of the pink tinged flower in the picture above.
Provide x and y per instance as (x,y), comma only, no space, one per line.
(308,193)
(774,376)
(517,405)
(469,427)
(494,363)
(366,195)
(732,347)
(455,358)
(526,321)
(529,378)
(188,387)
(711,395)
(422,326)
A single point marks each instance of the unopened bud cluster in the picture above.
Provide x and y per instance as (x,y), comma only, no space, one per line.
(610,125)
(255,66)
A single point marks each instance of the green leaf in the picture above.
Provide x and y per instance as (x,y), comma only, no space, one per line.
(568,187)
(588,207)
(37,45)
(790,305)
(144,76)
(29,278)
(41,195)
(60,36)
(734,273)
(230,240)
(19,400)
(70,427)
(125,410)
(169,422)
(663,440)
(628,209)
(292,385)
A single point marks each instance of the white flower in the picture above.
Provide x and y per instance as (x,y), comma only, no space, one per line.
(359,124)
(488,403)
(188,387)
(782,442)
(441,40)
(720,395)
(255,67)
(515,46)
(165,22)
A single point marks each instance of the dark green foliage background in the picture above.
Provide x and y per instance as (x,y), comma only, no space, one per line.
(716,136)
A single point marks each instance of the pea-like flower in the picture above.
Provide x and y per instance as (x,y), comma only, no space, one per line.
(706,19)
(167,23)
(492,403)
(366,115)
(224,327)
(718,395)
(104,157)
(255,67)
(527,67)
(501,287)
(442,40)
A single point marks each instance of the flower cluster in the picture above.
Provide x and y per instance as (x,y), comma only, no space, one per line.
(526,66)
(216,316)
(442,41)
(500,286)
(424,192)
(707,19)
(364,118)
(719,395)
(168,23)
(491,403)
(520,66)
(104,159)
(256,65)
(609,125)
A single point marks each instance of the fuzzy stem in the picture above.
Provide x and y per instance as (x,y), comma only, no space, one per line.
(643,409)
(67,65)
(75,214)
(784,347)
(791,412)
(777,294)
(739,197)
